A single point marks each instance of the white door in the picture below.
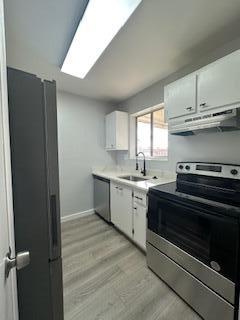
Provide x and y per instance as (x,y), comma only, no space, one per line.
(180,97)
(114,200)
(121,208)
(125,210)
(219,83)
(8,292)
(110,131)
(139,223)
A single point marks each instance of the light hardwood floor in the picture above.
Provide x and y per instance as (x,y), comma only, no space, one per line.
(106,277)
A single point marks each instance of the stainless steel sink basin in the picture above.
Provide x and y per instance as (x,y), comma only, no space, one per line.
(133,178)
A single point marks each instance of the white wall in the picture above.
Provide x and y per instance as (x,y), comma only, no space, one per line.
(81,140)
(215,147)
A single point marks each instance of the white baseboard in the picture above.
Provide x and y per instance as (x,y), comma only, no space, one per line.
(77,215)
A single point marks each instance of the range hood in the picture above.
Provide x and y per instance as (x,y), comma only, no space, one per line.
(227,120)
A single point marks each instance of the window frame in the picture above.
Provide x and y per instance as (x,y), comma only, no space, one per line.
(151,132)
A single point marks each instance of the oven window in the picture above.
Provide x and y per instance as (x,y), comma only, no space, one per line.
(205,236)
(192,232)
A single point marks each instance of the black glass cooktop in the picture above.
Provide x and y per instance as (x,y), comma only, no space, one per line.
(218,194)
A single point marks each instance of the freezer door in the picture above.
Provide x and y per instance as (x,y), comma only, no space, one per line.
(56,289)
(50,108)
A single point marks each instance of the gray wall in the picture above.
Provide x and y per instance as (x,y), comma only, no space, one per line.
(81,139)
(218,147)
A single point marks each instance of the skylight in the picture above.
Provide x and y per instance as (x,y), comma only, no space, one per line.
(101,22)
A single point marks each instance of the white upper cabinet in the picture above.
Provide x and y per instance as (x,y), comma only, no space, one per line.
(180,97)
(110,131)
(117,131)
(219,83)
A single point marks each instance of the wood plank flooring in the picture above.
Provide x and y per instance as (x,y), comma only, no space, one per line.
(106,277)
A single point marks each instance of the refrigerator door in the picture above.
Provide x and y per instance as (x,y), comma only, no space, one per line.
(32,196)
(50,109)
(26,119)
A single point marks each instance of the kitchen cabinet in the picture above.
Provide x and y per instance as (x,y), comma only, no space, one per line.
(219,83)
(139,219)
(110,135)
(216,85)
(129,212)
(117,131)
(180,97)
(121,208)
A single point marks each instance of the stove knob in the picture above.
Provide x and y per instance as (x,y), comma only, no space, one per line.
(234,172)
(187,167)
(180,166)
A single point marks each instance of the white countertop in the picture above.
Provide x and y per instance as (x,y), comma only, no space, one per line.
(115,175)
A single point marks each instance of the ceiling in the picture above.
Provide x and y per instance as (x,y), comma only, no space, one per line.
(161,37)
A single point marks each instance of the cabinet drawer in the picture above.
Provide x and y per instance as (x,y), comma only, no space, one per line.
(140,198)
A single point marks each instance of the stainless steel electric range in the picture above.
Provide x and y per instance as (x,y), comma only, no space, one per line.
(193,237)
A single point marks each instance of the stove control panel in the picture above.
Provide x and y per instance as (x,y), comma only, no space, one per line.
(209,169)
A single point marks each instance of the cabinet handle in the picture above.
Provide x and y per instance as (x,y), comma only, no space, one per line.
(135,208)
(116,187)
(203,104)
(189,108)
(138,198)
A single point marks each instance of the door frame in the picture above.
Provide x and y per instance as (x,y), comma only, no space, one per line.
(7,157)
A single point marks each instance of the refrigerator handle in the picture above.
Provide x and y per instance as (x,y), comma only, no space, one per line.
(54,221)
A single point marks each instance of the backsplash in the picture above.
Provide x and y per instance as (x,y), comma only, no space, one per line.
(214,147)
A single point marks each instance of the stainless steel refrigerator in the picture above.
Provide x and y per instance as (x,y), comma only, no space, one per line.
(35,177)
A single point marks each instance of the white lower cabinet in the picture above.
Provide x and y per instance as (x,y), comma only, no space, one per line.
(129,211)
(139,225)
(121,208)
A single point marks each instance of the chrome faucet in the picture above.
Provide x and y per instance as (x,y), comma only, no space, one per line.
(143,171)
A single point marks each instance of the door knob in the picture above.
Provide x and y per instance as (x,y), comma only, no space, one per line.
(21,260)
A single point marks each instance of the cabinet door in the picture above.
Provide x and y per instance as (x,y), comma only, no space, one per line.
(114,204)
(219,83)
(110,131)
(139,222)
(121,130)
(180,97)
(121,208)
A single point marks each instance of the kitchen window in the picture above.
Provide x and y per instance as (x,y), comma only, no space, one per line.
(152,134)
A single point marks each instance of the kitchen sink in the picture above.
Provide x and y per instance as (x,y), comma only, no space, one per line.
(133,178)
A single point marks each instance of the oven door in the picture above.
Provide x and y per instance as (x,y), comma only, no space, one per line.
(207,236)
